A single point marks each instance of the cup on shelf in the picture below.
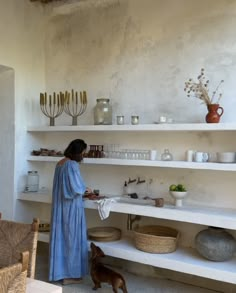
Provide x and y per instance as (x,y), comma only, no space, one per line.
(190,155)
(120,120)
(212,157)
(201,157)
(162,119)
(153,155)
(159,202)
(134,120)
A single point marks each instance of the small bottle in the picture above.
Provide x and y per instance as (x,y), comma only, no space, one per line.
(166,156)
(32,184)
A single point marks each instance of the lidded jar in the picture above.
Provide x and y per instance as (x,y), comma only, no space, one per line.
(166,156)
(32,184)
(103,112)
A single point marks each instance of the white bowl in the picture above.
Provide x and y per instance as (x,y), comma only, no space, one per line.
(178,196)
(225,157)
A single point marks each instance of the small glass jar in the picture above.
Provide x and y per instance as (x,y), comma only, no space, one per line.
(103,112)
(166,156)
(134,120)
(32,184)
(120,120)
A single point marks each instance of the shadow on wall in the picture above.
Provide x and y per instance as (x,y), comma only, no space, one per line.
(7,134)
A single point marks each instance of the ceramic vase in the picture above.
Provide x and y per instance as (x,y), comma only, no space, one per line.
(214,113)
(215,244)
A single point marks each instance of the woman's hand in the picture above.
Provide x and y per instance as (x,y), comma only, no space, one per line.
(88,190)
(89,193)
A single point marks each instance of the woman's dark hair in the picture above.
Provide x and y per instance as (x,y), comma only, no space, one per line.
(75,150)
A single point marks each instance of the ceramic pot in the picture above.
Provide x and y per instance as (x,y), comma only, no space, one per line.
(214,113)
(215,244)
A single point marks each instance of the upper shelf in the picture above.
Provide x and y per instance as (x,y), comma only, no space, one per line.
(145,163)
(140,127)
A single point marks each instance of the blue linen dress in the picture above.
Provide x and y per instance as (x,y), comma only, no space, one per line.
(68,239)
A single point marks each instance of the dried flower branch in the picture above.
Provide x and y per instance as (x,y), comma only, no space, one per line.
(200,89)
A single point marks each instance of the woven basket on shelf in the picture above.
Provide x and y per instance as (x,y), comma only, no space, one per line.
(156,239)
(104,234)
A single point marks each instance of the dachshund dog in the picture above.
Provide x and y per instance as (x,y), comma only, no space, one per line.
(101,274)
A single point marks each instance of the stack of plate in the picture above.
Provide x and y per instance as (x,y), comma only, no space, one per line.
(104,234)
(226,157)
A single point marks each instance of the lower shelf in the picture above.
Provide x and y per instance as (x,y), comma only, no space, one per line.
(185,260)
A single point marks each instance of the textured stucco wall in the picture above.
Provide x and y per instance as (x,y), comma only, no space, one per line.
(139,54)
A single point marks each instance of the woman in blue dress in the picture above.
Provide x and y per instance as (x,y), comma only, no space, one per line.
(68,260)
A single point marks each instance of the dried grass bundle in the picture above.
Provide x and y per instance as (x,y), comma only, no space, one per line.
(200,89)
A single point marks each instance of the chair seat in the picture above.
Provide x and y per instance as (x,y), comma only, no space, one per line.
(13,277)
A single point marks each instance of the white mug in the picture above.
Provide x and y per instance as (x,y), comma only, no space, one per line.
(153,155)
(201,157)
(190,155)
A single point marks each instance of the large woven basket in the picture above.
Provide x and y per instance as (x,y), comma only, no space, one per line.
(156,239)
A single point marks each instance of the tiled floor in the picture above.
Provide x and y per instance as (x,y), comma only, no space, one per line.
(135,284)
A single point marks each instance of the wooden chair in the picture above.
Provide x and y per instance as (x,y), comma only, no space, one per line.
(16,238)
(13,277)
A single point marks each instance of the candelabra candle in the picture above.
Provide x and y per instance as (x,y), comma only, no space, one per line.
(52,106)
(74,106)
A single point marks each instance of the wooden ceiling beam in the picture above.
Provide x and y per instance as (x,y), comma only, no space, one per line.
(44,1)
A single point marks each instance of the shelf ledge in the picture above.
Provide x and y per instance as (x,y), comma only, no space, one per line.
(139,127)
(209,216)
(144,163)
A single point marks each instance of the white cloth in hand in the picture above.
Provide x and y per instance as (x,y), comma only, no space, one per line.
(104,207)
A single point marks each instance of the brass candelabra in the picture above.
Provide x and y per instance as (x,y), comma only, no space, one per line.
(52,106)
(75,106)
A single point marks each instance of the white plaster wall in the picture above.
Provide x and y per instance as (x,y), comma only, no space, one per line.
(139,54)
(22,49)
(7,134)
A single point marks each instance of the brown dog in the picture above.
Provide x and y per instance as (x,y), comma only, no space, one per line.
(101,274)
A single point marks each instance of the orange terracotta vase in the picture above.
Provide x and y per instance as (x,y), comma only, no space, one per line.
(214,113)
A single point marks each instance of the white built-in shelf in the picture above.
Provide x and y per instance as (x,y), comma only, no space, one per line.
(185,260)
(43,197)
(218,217)
(145,163)
(140,127)
(44,159)
(44,237)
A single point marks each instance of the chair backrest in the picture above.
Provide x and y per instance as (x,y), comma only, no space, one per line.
(13,277)
(15,238)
